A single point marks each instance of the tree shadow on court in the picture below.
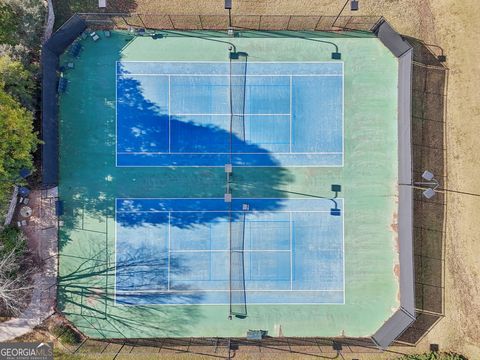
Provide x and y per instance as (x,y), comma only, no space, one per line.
(429,89)
(144,123)
(105,306)
(89,270)
(89,202)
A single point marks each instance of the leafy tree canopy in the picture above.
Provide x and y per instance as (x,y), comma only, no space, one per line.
(21,29)
(17,81)
(18,140)
(9,22)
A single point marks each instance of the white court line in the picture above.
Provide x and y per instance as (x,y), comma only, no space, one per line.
(127,292)
(201,304)
(126,75)
(224,210)
(226,62)
(307,198)
(248,166)
(291,251)
(219,114)
(343,248)
(220,251)
(291,263)
(229,92)
(343,114)
(174,166)
(169,122)
(291,125)
(115,245)
(239,211)
(169,246)
(116,113)
(223,153)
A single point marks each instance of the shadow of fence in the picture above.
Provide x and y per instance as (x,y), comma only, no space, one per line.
(118,20)
(429,89)
(228,348)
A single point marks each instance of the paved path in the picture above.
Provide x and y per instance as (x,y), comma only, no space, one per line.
(42,235)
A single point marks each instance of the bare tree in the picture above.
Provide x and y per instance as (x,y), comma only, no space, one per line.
(15,284)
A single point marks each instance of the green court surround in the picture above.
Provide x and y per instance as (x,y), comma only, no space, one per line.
(90,182)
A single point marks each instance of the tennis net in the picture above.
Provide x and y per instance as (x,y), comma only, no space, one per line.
(238,75)
(238,301)
(238,71)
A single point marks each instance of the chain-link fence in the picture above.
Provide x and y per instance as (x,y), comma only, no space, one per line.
(225,22)
(225,348)
(429,89)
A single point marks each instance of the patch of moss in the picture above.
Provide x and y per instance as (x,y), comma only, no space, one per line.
(66,335)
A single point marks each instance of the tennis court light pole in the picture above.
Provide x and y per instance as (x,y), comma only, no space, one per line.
(228,6)
(442,57)
(431,182)
(353,7)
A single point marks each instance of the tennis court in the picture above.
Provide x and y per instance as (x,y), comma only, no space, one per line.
(150,243)
(177,251)
(286,114)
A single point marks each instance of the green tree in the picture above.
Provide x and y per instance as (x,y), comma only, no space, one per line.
(12,239)
(9,23)
(21,34)
(17,81)
(18,140)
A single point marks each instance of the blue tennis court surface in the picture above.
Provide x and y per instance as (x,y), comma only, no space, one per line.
(179,113)
(176,251)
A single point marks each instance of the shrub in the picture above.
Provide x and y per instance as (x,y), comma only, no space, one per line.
(12,239)
(434,356)
(66,335)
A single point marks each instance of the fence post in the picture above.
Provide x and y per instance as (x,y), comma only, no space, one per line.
(171,22)
(141,20)
(348,22)
(125,20)
(112,19)
(288,23)
(318,22)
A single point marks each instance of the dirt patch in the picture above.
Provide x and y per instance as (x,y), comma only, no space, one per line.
(394,227)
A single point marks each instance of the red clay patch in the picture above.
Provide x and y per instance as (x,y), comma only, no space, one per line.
(394,227)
